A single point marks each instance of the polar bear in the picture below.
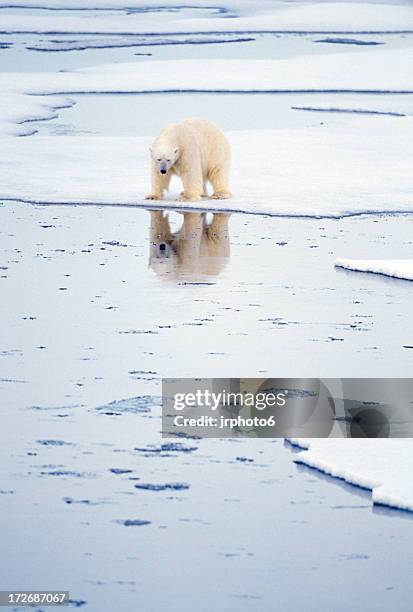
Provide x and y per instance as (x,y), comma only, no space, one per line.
(196,151)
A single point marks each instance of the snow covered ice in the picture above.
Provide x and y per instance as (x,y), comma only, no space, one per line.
(233,16)
(384,466)
(382,180)
(398,268)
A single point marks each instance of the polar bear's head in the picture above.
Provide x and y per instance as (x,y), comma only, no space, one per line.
(164,156)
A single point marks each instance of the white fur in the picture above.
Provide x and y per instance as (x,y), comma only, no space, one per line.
(196,151)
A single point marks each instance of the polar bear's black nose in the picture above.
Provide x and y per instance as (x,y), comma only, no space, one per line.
(162,246)
(163,171)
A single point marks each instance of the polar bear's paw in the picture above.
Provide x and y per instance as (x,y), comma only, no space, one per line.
(153,196)
(221,195)
(189,197)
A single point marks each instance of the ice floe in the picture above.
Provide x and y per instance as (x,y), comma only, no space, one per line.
(398,268)
(18,112)
(384,466)
(328,17)
(375,71)
(277,172)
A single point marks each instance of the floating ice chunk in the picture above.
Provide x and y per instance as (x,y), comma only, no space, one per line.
(384,466)
(398,268)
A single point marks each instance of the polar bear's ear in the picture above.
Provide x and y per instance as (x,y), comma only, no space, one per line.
(176,150)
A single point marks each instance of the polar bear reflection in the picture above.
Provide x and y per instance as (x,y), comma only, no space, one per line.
(199,248)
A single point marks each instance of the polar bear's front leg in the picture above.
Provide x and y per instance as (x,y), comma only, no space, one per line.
(193,184)
(159,184)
